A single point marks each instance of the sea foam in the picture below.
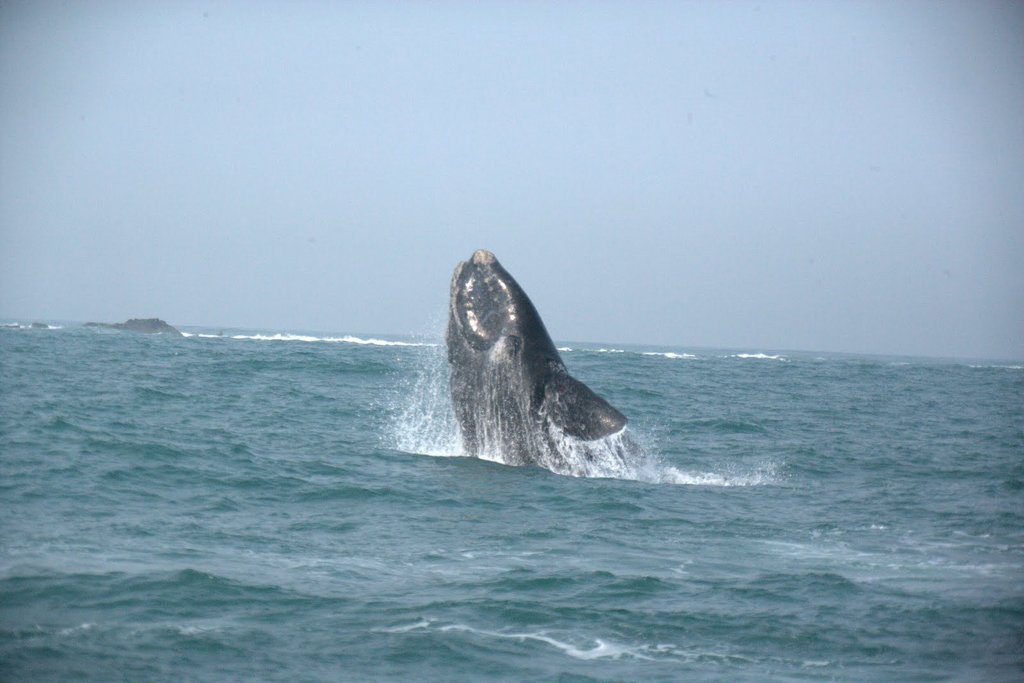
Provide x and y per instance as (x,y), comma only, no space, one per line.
(669,354)
(289,337)
(598,648)
(33,326)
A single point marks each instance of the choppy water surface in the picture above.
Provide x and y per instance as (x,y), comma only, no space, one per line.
(278,505)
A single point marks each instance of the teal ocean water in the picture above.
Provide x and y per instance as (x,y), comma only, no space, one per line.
(293,507)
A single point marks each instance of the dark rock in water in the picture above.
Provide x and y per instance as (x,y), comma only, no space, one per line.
(39,326)
(144,325)
(149,326)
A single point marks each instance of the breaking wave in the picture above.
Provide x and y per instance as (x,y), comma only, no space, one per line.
(288,337)
(758,356)
(586,648)
(32,326)
(594,648)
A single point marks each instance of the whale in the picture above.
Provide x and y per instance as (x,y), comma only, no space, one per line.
(513,398)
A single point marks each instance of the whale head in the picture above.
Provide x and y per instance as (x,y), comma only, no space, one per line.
(489,309)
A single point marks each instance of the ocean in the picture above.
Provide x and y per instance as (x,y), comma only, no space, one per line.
(262,505)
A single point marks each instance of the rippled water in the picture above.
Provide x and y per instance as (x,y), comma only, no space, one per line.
(276,505)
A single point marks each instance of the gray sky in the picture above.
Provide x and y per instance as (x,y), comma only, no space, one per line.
(842,176)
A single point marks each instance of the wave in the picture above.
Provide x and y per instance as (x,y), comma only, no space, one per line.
(289,337)
(586,648)
(669,354)
(680,355)
(74,630)
(32,326)
(347,339)
(599,649)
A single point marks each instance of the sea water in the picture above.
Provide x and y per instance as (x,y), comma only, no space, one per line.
(275,505)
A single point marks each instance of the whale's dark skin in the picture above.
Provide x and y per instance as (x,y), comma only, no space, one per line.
(511,394)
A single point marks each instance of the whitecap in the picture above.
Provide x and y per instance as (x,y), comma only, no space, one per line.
(275,337)
(33,326)
(87,626)
(601,649)
(192,630)
(758,356)
(669,354)
(418,626)
(347,339)
(584,648)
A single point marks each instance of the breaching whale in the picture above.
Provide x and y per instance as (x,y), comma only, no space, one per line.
(513,398)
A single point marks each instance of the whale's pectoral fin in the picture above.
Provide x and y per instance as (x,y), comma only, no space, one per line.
(578,411)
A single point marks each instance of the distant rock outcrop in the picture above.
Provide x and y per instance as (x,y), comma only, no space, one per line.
(143,325)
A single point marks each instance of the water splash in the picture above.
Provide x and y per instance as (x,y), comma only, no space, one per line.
(424,423)
(766,473)
(616,456)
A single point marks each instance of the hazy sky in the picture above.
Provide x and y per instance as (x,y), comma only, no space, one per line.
(843,176)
